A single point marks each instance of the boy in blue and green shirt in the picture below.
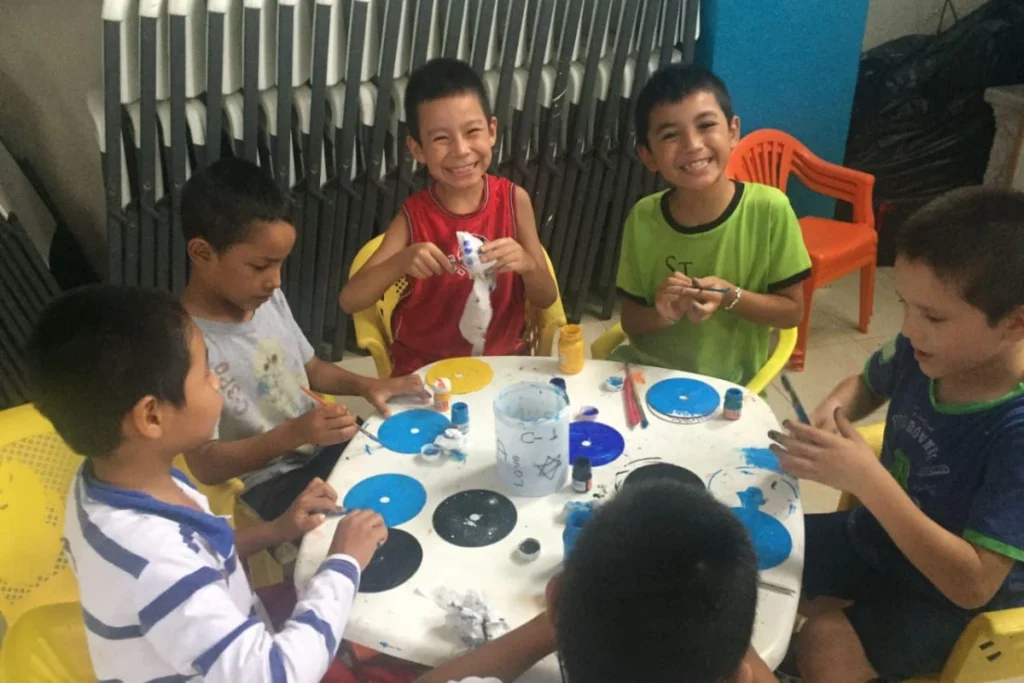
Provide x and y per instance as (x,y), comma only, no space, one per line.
(705,233)
(890,586)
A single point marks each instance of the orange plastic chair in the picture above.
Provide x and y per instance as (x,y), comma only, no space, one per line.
(837,248)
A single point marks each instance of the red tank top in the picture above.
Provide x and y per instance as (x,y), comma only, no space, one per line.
(426,320)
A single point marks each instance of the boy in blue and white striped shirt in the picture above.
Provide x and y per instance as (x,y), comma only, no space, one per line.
(122,374)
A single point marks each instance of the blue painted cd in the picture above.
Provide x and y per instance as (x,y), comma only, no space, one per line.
(681,397)
(772,542)
(410,431)
(396,497)
(596,441)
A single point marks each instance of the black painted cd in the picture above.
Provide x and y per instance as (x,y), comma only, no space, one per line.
(664,471)
(474,519)
(393,564)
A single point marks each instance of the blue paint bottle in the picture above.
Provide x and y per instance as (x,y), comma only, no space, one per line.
(573,526)
(460,417)
(733,406)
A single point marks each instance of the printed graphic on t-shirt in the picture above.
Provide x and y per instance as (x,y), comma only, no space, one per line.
(275,385)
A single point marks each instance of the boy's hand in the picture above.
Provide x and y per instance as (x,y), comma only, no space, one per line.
(674,297)
(705,303)
(307,511)
(378,391)
(507,255)
(425,259)
(824,416)
(359,534)
(843,461)
(324,425)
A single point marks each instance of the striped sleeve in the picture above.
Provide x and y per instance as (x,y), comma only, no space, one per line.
(187,615)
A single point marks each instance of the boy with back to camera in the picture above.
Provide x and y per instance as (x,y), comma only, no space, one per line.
(674,604)
(705,233)
(271,434)
(123,376)
(452,133)
(891,585)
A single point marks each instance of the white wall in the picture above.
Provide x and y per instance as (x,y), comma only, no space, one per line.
(50,56)
(889,19)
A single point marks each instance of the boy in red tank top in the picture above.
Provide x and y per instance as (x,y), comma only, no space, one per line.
(452,132)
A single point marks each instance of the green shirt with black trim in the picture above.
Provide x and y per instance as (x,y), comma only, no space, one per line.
(755,244)
(962,464)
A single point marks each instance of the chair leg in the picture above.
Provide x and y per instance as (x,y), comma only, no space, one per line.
(796,361)
(867,295)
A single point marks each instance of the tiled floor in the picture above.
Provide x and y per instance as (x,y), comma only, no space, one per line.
(836,349)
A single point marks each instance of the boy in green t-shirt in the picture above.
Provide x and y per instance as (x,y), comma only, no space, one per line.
(710,264)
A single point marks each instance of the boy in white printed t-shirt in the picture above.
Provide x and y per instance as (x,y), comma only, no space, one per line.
(122,375)
(271,434)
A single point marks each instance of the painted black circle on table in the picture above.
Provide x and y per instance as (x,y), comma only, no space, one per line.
(474,519)
(393,564)
(663,471)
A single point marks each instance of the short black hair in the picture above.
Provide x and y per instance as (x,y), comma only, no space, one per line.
(439,78)
(673,83)
(973,237)
(660,587)
(96,351)
(221,202)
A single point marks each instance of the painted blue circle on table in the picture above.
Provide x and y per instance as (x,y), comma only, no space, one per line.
(396,497)
(772,542)
(410,431)
(683,397)
(596,441)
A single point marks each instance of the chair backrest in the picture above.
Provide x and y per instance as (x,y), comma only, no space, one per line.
(768,156)
(764,156)
(385,306)
(36,471)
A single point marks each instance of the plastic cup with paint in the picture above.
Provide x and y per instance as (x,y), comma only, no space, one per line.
(528,550)
(613,383)
(573,526)
(531,422)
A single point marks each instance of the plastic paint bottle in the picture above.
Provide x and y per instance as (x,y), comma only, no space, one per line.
(570,350)
(733,405)
(582,475)
(442,389)
(460,416)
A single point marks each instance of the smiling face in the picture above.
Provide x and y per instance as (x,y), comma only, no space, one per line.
(456,139)
(689,142)
(245,274)
(950,336)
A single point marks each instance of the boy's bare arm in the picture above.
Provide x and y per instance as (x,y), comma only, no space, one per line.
(388,264)
(637,319)
(853,397)
(217,461)
(782,309)
(506,658)
(328,378)
(540,286)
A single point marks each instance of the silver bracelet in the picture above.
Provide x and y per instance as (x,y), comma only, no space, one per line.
(739,293)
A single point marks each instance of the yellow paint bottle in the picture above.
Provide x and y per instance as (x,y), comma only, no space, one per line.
(570,350)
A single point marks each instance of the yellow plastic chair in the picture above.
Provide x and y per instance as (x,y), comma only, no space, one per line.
(616,336)
(373,325)
(39,603)
(991,648)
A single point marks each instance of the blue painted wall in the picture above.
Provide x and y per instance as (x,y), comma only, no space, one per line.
(791,65)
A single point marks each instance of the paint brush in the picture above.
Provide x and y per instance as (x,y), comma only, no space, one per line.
(632,415)
(775,588)
(635,397)
(795,400)
(365,432)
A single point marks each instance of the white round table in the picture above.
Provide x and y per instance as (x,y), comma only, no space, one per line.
(406,622)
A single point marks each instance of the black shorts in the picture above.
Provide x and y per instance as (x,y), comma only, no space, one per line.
(905,631)
(271,498)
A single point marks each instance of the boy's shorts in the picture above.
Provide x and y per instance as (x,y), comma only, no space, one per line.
(904,631)
(272,498)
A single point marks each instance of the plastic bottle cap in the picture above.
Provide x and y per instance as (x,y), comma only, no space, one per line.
(529,549)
